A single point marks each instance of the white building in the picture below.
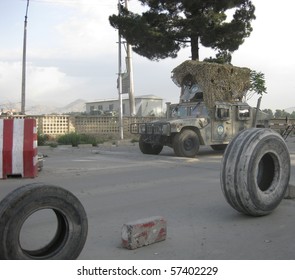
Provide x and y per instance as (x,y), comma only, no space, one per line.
(145,105)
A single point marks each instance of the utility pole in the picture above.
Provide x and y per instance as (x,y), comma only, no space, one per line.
(23,93)
(121,126)
(130,71)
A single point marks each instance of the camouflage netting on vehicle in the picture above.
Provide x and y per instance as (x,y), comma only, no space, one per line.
(219,82)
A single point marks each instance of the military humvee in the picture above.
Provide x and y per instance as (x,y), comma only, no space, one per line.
(197,120)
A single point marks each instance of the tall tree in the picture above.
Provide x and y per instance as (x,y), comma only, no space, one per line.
(269,112)
(167,26)
(281,114)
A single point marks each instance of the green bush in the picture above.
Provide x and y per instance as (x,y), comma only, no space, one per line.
(75,139)
(53,144)
(42,139)
(69,139)
(88,139)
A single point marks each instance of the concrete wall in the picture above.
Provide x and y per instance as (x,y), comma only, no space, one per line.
(55,125)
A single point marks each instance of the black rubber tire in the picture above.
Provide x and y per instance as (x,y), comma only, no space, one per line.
(186,143)
(149,149)
(156,149)
(72,224)
(255,171)
(220,147)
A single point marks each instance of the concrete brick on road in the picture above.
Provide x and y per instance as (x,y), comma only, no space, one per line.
(144,232)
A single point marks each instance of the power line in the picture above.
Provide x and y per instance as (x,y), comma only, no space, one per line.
(53,2)
(62,2)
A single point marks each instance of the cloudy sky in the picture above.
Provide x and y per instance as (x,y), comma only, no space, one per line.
(72,53)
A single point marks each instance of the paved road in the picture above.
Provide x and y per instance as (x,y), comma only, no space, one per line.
(119,184)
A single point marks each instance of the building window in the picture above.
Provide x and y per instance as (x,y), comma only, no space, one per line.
(111,107)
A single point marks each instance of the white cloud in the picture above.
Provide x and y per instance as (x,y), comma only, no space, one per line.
(45,81)
(10,88)
(47,85)
(88,32)
(72,53)
(83,38)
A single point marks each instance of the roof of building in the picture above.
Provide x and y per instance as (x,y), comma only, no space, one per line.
(127,98)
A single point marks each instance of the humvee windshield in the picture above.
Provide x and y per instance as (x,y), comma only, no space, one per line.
(189,110)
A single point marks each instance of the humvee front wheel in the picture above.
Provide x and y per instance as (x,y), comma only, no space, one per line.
(148,148)
(186,143)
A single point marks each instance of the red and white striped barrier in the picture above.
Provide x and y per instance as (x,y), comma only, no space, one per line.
(18,148)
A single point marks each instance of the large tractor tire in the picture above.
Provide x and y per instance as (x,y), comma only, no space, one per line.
(186,143)
(19,205)
(148,148)
(255,171)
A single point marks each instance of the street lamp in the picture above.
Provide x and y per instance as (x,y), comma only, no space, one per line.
(121,125)
(130,81)
(23,93)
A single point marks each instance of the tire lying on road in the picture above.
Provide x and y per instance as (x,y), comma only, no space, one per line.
(20,204)
(255,171)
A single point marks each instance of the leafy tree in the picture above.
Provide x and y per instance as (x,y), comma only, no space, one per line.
(269,112)
(222,57)
(279,114)
(257,84)
(167,26)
